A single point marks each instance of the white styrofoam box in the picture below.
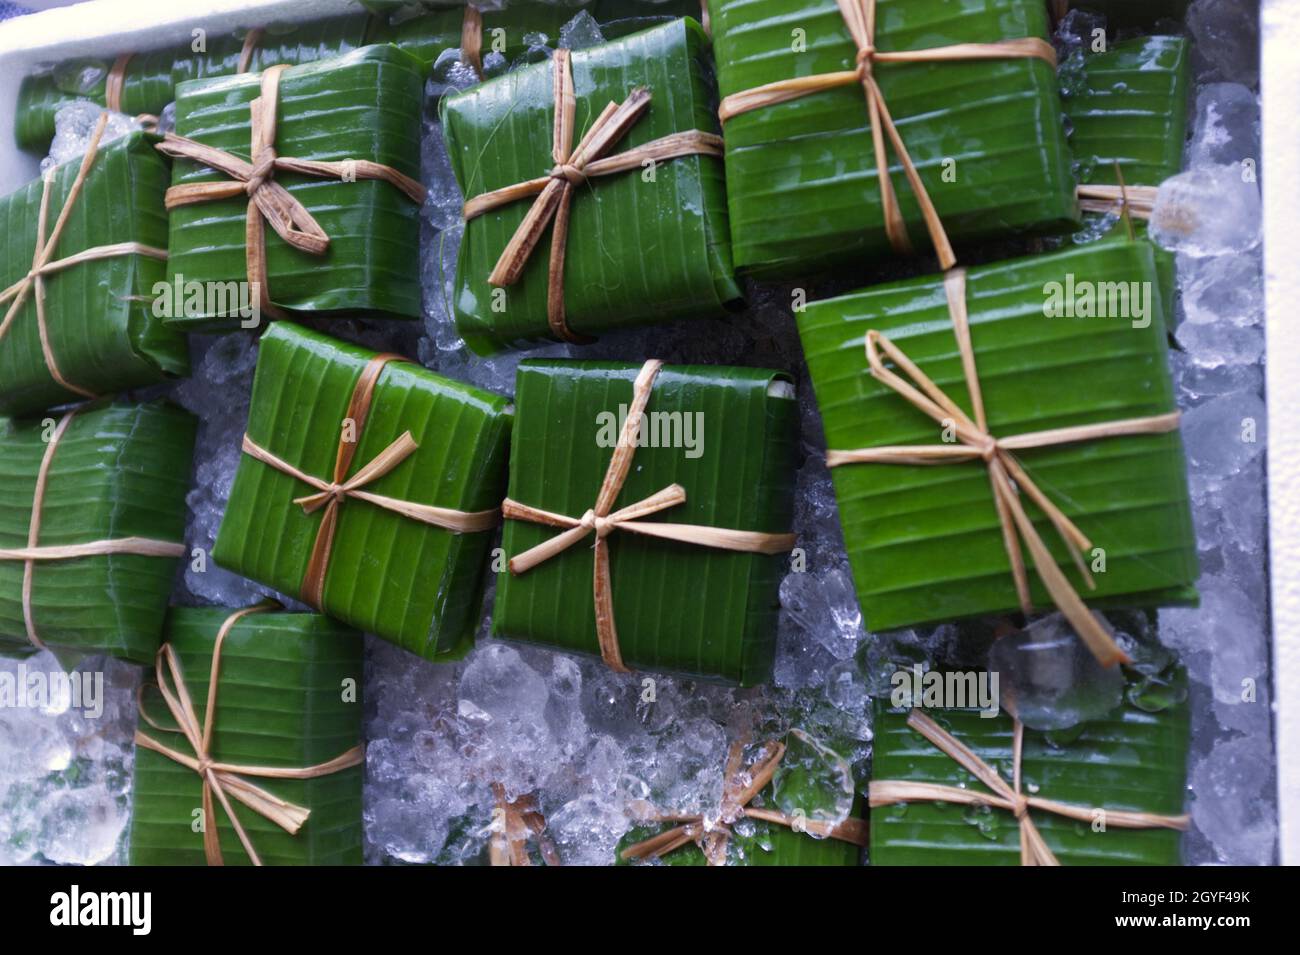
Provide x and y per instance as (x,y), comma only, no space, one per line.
(108,27)
(1280,85)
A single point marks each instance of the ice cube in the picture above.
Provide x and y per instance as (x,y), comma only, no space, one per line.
(1226,129)
(1050,679)
(1227,39)
(1209,210)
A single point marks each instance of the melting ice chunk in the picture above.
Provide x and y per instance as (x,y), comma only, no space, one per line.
(1050,678)
(1210,210)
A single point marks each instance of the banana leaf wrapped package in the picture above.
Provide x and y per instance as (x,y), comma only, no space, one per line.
(92,517)
(282,692)
(141,84)
(138,85)
(83,249)
(254,49)
(299,183)
(947,786)
(684,477)
(1130,110)
(1008,440)
(797,802)
(1128,123)
(856,129)
(368,488)
(519,31)
(594,193)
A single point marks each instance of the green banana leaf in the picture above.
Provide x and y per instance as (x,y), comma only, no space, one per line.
(289,695)
(297,43)
(102,328)
(678,607)
(924,542)
(147,87)
(1131,112)
(518,29)
(119,471)
(809,776)
(638,251)
(219,56)
(802,186)
(422,34)
(1127,14)
(288,43)
(363,105)
(1135,759)
(512,32)
(416,585)
(151,78)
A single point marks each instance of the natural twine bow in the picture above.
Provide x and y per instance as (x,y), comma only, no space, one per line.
(33,553)
(331,495)
(44,263)
(573,167)
(603,523)
(740,786)
(975,443)
(225,779)
(268,201)
(860,18)
(514,824)
(1033,849)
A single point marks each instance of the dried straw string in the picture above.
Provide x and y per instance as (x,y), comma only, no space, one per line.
(517,821)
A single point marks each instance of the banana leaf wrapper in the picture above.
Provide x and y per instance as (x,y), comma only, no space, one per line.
(147,87)
(416,585)
(924,541)
(363,105)
(806,782)
(802,185)
(514,32)
(118,471)
(1132,112)
(275,43)
(519,29)
(639,251)
(102,330)
(678,607)
(1135,759)
(424,34)
(283,700)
